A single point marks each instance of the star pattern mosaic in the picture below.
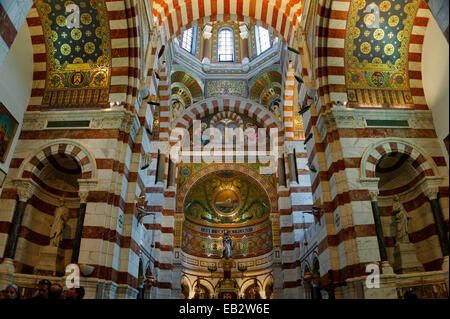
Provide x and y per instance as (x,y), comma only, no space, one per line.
(378,41)
(78,55)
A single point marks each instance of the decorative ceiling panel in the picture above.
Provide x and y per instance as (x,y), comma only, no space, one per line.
(78,56)
(376,52)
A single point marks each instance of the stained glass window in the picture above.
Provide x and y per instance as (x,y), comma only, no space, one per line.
(187,41)
(226,48)
(263,39)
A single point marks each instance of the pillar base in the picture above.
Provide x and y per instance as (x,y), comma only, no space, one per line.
(445,264)
(51,261)
(7,271)
(406,259)
(386,268)
(445,269)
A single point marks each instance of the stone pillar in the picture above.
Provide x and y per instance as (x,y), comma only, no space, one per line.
(378,226)
(77,241)
(431,191)
(24,192)
(206,43)
(244,42)
(176,281)
(372,186)
(277,281)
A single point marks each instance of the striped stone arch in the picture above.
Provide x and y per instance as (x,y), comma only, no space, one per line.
(230,103)
(417,157)
(227,115)
(283,16)
(34,163)
(329,66)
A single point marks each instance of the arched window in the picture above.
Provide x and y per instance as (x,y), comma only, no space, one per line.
(188,41)
(226,48)
(262,39)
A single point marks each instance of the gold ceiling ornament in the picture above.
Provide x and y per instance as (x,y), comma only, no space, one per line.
(78,56)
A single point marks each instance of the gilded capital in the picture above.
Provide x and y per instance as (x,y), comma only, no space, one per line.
(25,188)
(83,194)
(373,195)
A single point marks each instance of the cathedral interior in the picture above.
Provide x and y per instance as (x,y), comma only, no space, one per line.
(226,149)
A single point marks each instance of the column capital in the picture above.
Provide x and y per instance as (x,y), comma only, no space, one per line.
(85,185)
(372,186)
(373,195)
(207,32)
(25,188)
(244,31)
(430,186)
(83,196)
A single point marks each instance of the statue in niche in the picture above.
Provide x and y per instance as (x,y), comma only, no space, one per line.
(59,224)
(177,109)
(401,219)
(227,245)
(275,109)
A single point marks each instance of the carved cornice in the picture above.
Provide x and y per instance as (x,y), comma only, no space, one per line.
(356,118)
(113,118)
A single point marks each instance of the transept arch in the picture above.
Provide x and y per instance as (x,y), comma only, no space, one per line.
(230,103)
(283,17)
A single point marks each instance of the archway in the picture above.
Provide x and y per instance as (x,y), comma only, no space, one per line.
(406,182)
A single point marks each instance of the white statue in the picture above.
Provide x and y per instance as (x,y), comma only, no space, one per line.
(401,219)
(59,223)
(227,245)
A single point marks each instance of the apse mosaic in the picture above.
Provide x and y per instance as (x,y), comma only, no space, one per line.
(79,57)
(377,45)
(226,198)
(190,173)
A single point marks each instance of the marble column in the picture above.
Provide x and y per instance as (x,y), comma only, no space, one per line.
(431,193)
(24,193)
(378,226)
(244,42)
(206,44)
(79,230)
(7,269)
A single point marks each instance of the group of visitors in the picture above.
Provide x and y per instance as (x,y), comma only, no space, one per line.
(46,290)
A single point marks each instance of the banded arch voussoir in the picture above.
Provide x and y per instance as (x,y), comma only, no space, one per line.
(38,160)
(418,158)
